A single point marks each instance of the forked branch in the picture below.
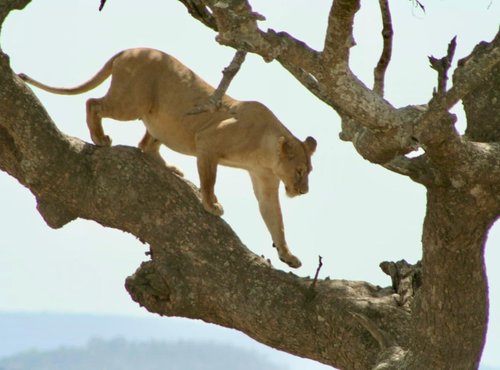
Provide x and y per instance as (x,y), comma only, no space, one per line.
(467,76)
(442,66)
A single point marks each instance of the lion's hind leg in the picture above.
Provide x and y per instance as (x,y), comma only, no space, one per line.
(207,170)
(109,106)
(151,146)
(94,122)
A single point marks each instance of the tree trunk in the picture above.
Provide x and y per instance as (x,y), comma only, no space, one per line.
(446,324)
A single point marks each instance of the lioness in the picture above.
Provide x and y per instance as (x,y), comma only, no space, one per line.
(156,88)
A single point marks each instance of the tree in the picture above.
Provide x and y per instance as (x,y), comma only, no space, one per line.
(437,319)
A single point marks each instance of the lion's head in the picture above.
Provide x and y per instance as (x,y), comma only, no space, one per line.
(294,164)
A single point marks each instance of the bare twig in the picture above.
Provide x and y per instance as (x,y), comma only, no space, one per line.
(320,265)
(215,101)
(311,292)
(418,4)
(385,57)
(102,4)
(443,65)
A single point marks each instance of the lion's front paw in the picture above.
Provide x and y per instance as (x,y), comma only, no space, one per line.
(288,258)
(214,208)
(292,261)
(102,141)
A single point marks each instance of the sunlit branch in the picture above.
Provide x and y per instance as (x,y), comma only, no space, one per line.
(215,101)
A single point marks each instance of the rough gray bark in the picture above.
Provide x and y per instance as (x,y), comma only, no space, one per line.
(482,106)
(434,316)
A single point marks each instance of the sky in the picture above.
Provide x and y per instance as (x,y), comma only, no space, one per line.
(356,214)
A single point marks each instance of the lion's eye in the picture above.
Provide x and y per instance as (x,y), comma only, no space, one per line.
(299,172)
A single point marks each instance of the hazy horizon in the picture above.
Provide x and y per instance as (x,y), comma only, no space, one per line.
(27,331)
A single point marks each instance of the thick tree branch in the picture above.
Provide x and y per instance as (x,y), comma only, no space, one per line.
(247,36)
(339,38)
(263,300)
(349,96)
(381,147)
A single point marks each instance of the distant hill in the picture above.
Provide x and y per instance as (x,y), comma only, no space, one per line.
(44,333)
(20,332)
(120,354)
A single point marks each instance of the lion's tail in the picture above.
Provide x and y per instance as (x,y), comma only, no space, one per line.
(95,81)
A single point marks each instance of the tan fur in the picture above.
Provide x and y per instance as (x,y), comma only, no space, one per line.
(156,88)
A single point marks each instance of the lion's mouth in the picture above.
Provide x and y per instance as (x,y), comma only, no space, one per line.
(293,192)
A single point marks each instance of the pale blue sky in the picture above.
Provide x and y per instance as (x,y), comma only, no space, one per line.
(356,214)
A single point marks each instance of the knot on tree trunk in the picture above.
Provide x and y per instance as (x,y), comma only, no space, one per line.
(406,279)
(147,288)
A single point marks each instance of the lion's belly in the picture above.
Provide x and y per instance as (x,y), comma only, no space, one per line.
(234,162)
(176,135)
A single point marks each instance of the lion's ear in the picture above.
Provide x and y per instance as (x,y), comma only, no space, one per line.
(310,144)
